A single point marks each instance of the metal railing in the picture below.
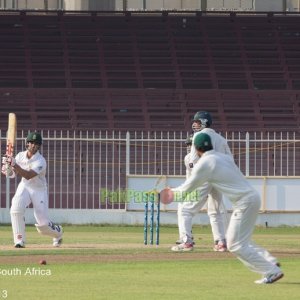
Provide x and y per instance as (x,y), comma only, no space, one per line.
(84,165)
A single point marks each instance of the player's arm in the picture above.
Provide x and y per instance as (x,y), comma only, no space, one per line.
(27,174)
(193,157)
(188,169)
(198,177)
(12,163)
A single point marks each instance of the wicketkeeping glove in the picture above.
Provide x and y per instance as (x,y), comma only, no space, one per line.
(7,171)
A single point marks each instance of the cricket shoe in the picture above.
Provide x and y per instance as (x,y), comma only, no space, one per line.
(270,278)
(57,242)
(183,247)
(220,247)
(180,241)
(20,244)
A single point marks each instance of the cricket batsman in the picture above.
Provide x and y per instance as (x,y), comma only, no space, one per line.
(32,189)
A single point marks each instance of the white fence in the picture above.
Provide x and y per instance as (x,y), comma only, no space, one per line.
(84,166)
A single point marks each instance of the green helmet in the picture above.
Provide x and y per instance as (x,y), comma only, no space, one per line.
(203,117)
(34,137)
(203,141)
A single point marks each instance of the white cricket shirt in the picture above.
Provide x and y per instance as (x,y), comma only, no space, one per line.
(38,164)
(218,142)
(220,171)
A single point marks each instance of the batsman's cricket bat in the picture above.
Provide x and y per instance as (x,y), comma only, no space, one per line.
(11,134)
(10,147)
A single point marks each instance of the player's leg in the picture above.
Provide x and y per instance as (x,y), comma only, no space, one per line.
(44,225)
(52,230)
(239,234)
(217,220)
(264,253)
(188,211)
(179,220)
(19,203)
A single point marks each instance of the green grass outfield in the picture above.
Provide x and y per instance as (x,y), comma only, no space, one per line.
(110,262)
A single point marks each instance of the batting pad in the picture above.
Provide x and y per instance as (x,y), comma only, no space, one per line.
(50,230)
(18,226)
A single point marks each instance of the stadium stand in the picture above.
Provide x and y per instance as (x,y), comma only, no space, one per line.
(150,71)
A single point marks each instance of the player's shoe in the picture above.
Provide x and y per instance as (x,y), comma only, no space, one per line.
(180,241)
(270,278)
(20,244)
(58,241)
(220,247)
(183,247)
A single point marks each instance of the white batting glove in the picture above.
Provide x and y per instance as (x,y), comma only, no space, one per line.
(7,171)
(9,160)
(3,169)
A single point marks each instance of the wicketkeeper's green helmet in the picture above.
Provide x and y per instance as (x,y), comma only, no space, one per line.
(34,137)
(203,117)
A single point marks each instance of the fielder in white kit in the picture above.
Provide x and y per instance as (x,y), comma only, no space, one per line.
(222,174)
(187,210)
(31,166)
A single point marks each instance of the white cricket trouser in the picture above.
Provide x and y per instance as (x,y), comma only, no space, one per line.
(23,197)
(239,234)
(179,219)
(187,210)
(217,216)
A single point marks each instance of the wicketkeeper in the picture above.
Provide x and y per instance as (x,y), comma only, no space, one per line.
(202,122)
